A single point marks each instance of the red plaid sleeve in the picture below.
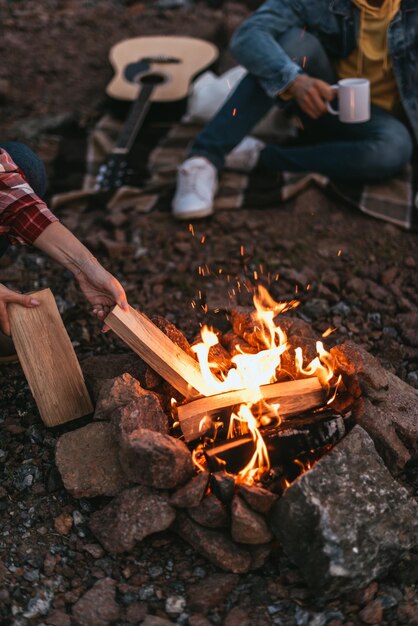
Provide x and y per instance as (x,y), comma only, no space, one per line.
(23,215)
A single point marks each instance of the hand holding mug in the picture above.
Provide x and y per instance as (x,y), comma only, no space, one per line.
(311,94)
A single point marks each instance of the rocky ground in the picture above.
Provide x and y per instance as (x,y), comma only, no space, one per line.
(350,273)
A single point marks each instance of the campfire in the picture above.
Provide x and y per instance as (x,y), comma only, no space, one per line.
(257,401)
(265,402)
(244,437)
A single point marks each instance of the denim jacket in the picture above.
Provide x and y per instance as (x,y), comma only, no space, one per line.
(336,24)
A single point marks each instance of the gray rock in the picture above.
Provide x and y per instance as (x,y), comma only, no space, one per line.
(88,462)
(215,545)
(390,406)
(39,604)
(97,607)
(316,308)
(154,459)
(133,515)
(247,525)
(346,521)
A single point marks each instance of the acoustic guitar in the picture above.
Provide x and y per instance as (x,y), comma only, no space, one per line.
(148,69)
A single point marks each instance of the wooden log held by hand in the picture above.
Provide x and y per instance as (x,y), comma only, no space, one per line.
(48,360)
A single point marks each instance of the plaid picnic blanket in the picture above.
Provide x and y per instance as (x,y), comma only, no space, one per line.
(395,200)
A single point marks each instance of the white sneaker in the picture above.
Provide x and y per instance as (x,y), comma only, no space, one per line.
(197,183)
(245,155)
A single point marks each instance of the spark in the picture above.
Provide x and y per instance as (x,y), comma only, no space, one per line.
(191,229)
(234,112)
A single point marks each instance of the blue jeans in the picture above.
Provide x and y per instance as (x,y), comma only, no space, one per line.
(371,151)
(32,167)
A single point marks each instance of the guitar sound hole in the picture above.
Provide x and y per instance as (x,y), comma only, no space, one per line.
(153,79)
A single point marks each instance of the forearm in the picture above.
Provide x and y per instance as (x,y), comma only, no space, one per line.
(256,46)
(62,246)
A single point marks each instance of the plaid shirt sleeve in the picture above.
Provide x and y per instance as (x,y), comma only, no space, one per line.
(23,215)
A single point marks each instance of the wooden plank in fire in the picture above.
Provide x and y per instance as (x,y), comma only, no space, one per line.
(284,442)
(157,350)
(294,397)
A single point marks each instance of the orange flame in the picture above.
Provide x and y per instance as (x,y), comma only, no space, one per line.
(250,371)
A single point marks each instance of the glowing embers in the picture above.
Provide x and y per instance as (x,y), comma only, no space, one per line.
(241,414)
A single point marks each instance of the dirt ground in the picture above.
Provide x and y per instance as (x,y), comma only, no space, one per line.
(350,273)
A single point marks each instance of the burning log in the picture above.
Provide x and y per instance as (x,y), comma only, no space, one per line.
(157,350)
(284,442)
(294,397)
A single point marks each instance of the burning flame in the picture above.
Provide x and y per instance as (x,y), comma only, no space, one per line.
(250,371)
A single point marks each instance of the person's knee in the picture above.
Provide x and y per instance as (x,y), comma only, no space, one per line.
(30,164)
(393,151)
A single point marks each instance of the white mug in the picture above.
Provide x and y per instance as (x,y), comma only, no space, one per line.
(353,100)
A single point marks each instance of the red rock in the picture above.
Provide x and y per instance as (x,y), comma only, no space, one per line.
(211,592)
(199,620)
(88,462)
(248,526)
(94,550)
(210,513)
(142,412)
(58,618)
(114,393)
(259,499)
(133,515)
(155,620)
(259,554)
(173,333)
(51,560)
(192,493)
(372,613)
(136,612)
(237,617)
(97,607)
(215,545)
(154,459)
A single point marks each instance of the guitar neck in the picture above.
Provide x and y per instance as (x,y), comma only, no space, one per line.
(134,121)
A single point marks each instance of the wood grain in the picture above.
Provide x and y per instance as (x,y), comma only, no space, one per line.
(157,350)
(294,397)
(48,360)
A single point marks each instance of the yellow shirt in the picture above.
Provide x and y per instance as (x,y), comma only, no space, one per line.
(370,59)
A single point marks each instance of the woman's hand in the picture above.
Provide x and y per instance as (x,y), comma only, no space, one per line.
(101,289)
(7,296)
